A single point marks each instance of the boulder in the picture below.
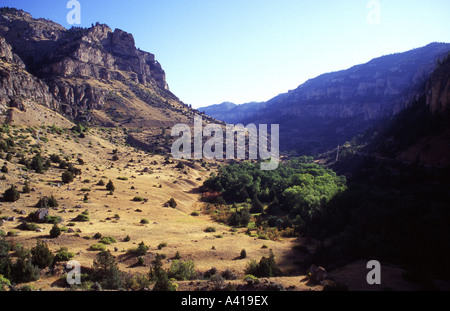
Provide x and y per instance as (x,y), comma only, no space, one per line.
(40,214)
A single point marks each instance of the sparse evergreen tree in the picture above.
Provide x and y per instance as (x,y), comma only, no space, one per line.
(11,194)
(41,256)
(55,231)
(105,271)
(110,186)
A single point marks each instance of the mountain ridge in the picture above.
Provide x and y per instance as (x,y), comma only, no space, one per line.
(328,110)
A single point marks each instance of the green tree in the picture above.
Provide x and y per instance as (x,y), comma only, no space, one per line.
(257,206)
(11,194)
(55,231)
(41,256)
(110,186)
(105,271)
(67,177)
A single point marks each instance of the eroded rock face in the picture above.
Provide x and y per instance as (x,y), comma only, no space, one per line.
(54,60)
(438,88)
(17,85)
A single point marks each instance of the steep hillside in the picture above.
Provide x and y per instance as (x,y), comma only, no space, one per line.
(93,75)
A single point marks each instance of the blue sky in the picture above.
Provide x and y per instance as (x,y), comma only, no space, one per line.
(252,50)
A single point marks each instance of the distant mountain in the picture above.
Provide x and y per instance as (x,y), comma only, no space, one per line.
(332,108)
(232,113)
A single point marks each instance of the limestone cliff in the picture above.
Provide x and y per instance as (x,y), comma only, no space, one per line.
(78,71)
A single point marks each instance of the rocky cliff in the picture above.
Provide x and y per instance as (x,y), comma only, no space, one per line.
(438,88)
(81,70)
(17,86)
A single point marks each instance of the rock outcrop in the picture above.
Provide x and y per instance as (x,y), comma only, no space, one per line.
(438,88)
(70,71)
(17,86)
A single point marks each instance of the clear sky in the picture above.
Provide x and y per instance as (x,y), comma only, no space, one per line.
(252,50)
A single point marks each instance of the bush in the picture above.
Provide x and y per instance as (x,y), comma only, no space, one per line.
(162,245)
(172,203)
(55,231)
(243,254)
(97,247)
(138,199)
(53,219)
(101,183)
(11,194)
(106,272)
(63,255)
(210,229)
(41,256)
(47,202)
(266,267)
(145,221)
(67,177)
(23,271)
(182,270)
(4,283)
(26,187)
(82,218)
(27,226)
(110,186)
(37,164)
(107,240)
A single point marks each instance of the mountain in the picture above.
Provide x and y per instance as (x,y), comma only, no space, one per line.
(232,113)
(332,108)
(94,75)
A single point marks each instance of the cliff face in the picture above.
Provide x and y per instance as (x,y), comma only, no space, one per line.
(438,88)
(17,86)
(73,70)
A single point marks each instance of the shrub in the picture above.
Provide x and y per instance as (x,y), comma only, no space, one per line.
(67,177)
(105,271)
(26,187)
(210,229)
(182,270)
(266,267)
(142,249)
(27,226)
(4,169)
(243,254)
(145,221)
(172,203)
(228,275)
(53,219)
(162,245)
(101,183)
(127,239)
(82,218)
(97,247)
(110,186)
(138,199)
(4,283)
(97,236)
(23,271)
(47,202)
(55,158)
(11,194)
(41,256)
(107,240)
(55,231)
(37,164)
(63,255)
